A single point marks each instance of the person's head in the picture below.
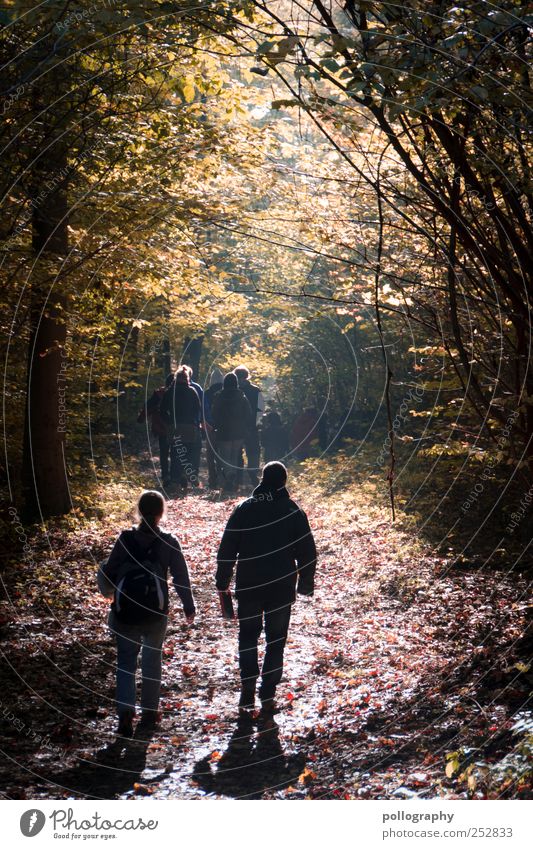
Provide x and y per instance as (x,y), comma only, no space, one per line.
(169,380)
(150,508)
(242,373)
(216,377)
(182,375)
(230,381)
(190,370)
(274,475)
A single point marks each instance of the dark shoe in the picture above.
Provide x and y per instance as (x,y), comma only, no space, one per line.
(150,718)
(125,724)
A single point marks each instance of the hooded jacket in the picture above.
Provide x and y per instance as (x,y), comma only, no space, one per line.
(269,538)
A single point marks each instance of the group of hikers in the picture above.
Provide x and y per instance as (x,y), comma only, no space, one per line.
(267,538)
(230,417)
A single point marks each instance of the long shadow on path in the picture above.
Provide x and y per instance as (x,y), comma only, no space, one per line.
(112,772)
(253,763)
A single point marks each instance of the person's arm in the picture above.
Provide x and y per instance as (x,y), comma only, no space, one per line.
(115,560)
(305,553)
(215,407)
(260,404)
(107,573)
(206,408)
(180,578)
(165,406)
(228,551)
(247,412)
(197,404)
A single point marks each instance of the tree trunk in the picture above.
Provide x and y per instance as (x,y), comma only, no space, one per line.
(166,357)
(44,473)
(192,351)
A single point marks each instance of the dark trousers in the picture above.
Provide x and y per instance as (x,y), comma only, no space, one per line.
(181,462)
(211,456)
(164,450)
(253,613)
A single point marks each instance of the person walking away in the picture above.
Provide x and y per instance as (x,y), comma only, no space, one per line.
(274,437)
(232,419)
(257,403)
(181,407)
(137,571)
(215,386)
(160,429)
(269,538)
(197,449)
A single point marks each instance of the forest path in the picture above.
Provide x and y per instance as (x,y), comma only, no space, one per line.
(396,661)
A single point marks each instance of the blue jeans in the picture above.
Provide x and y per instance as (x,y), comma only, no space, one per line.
(130,640)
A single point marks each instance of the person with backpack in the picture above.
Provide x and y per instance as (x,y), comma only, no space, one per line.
(159,426)
(269,538)
(181,408)
(136,576)
(232,419)
(251,442)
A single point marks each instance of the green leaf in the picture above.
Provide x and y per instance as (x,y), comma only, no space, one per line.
(330,65)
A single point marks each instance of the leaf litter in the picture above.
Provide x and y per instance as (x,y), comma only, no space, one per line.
(403,677)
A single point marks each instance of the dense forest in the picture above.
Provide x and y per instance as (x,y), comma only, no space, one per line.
(339,196)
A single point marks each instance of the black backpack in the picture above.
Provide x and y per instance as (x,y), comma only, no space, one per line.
(141,594)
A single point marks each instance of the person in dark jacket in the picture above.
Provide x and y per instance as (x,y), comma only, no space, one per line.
(269,538)
(274,437)
(160,426)
(146,635)
(197,449)
(257,404)
(181,407)
(215,386)
(232,418)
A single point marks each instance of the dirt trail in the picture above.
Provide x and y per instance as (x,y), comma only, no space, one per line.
(387,669)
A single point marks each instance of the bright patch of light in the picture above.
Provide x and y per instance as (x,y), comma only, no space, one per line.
(259,112)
